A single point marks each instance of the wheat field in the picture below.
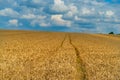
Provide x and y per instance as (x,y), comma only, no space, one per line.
(32,55)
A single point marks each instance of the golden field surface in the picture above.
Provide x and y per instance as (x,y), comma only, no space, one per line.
(32,55)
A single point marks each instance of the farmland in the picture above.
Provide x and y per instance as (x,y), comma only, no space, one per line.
(32,55)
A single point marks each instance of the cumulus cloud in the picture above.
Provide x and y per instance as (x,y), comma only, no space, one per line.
(59,6)
(28,16)
(40,20)
(33,16)
(8,12)
(85,11)
(43,24)
(57,19)
(109,13)
(13,22)
(72,11)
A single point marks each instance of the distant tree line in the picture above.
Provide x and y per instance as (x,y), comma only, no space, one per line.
(112,33)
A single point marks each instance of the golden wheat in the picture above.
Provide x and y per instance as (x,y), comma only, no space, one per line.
(28,55)
(100,55)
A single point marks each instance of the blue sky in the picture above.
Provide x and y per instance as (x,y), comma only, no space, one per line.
(92,16)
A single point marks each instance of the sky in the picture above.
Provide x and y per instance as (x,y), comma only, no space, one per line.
(91,16)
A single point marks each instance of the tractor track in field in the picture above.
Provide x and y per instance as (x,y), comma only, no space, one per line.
(80,64)
(63,40)
(61,43)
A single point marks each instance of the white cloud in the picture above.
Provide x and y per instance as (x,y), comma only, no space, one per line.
(73,9)
(8,12)
(69,14)
(33,16)
(43,24)
(80,19)
(109,13)
(13,22)
(40,20)
(97,3)
(59,21)
(59,6)
(101,13)
(86,11)
(28,16)
(41,17)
